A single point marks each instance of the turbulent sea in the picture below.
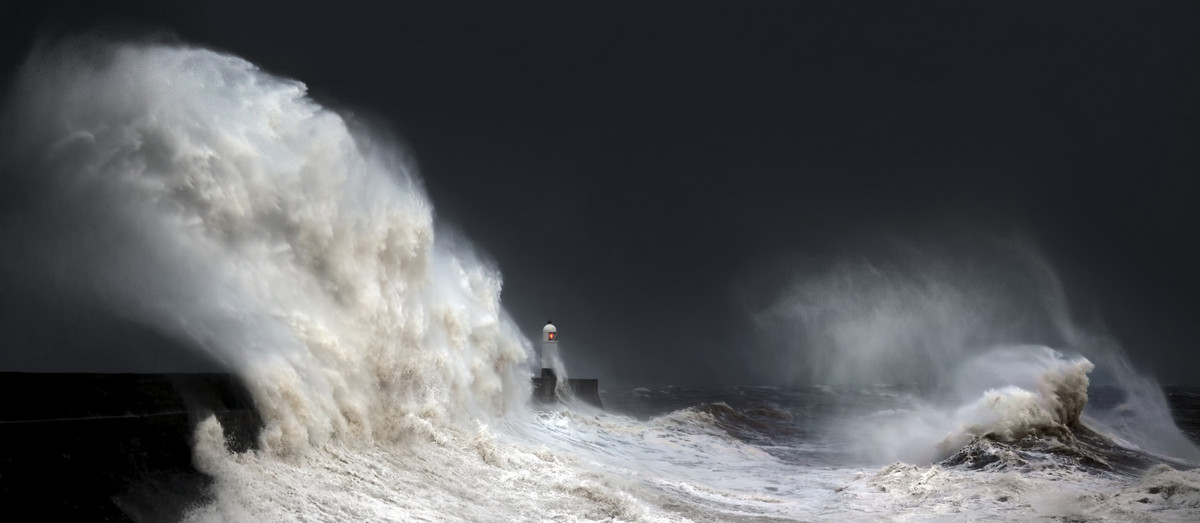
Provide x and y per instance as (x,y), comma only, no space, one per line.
(187,190)
(768,453)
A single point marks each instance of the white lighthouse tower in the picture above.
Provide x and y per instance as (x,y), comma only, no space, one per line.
(550,358)
(553,384)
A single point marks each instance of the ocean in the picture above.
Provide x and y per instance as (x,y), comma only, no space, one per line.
(187,189)
(752,453)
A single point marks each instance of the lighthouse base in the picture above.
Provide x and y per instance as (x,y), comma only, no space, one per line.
(585,390)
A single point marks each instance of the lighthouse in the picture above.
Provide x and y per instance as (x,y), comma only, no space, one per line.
(546,386)
(550,347)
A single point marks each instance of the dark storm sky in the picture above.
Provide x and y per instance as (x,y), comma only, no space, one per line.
(627,163)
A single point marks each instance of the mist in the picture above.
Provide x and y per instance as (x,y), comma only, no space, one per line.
(186,195)
(982,332)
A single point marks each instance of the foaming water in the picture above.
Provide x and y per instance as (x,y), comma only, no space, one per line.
(188,190)
(969,331)
(1004,395)
(257,223)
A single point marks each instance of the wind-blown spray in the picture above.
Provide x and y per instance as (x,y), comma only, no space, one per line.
(189,190)
(968,332)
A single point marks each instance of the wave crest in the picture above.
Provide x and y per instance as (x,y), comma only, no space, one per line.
(1011,412)
(192,192)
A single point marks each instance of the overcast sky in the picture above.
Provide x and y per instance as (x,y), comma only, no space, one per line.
(631,165)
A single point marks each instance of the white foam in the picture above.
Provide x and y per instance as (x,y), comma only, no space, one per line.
(951,318)
(261,226)
(221,205)
(1006,394)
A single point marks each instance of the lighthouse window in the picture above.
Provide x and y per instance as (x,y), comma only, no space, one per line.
(552,335)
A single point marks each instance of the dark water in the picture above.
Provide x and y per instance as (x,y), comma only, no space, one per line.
(804,425)
(1185,408)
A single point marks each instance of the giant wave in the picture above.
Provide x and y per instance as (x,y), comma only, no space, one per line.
(187,189)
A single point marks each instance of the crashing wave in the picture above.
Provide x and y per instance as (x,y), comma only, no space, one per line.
(1017,428)
(1048,409)
(759,423)
(237,213)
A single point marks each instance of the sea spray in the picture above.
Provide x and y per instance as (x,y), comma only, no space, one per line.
(188,190)
(968,329)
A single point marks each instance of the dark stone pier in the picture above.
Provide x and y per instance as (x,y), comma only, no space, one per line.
(112,447)
(585,390)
